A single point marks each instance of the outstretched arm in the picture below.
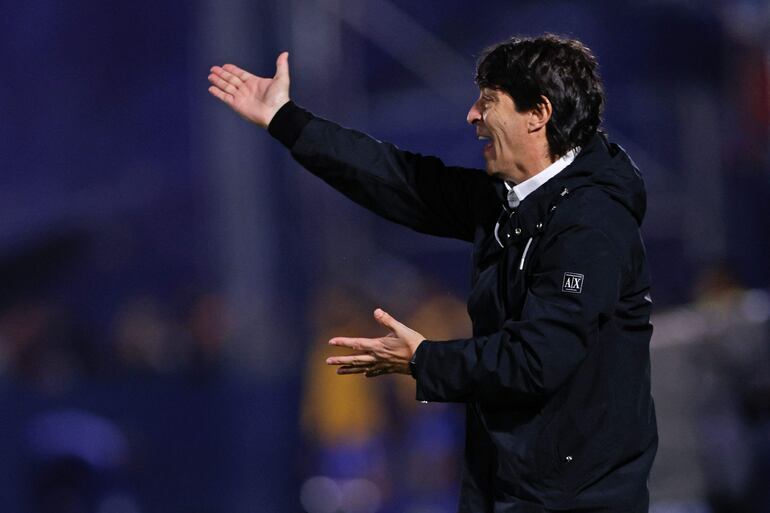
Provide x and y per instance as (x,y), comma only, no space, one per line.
(254,98)
(407,188)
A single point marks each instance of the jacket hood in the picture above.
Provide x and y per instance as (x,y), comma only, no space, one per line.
(607,166)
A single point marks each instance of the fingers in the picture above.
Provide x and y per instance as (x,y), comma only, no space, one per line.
(232,78)
(387,320)
(223,84)
(281,69)
(370,372)
(359,344)
(352,370)
(357,359)
(227,98)
(282,66)
(377,371)
(238,72)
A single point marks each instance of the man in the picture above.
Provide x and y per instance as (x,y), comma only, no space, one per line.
(556,376)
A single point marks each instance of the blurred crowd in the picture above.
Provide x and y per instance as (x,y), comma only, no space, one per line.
(710,363)
(43,346)
(77,429)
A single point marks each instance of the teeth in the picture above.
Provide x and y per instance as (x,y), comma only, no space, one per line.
(483,138)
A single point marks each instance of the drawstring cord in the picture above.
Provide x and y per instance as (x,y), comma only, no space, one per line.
(524,254)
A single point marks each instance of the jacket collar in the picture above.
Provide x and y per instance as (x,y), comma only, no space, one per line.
(518,192)
(529,219)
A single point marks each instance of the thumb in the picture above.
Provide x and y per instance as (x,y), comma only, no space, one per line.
(387,320)
(282,66)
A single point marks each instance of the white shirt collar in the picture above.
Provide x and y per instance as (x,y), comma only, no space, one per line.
(517,193)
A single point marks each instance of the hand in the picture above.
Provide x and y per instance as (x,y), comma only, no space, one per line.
(256,99)
(376,356)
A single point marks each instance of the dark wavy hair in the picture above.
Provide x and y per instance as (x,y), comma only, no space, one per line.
(563,70)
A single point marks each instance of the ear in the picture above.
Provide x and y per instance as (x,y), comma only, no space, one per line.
(540,114)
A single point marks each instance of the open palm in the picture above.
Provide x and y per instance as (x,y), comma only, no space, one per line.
(377,356)
(255,98)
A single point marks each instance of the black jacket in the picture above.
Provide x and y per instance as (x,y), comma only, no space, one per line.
(556,376)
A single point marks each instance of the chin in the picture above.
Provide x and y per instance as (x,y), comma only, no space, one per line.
(495,173)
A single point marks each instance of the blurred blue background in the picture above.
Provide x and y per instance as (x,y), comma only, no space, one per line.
(170,276)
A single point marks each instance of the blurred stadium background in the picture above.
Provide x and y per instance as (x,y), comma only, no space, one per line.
(168,276)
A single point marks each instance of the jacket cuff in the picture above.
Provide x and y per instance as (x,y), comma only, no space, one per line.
(417,367)
(288,123)
(413,362)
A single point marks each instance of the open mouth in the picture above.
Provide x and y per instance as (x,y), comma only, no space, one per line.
(488,145)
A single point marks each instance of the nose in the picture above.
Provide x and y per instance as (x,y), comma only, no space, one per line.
(474,114)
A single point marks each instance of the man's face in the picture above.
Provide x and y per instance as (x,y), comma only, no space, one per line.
(496,120)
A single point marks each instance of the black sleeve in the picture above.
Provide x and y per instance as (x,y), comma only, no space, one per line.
(532,357)
(408,188)
(288,123)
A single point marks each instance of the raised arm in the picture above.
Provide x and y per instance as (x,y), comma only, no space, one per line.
(408,188)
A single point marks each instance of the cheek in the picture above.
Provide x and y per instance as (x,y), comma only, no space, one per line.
(501,123)
(503,134)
